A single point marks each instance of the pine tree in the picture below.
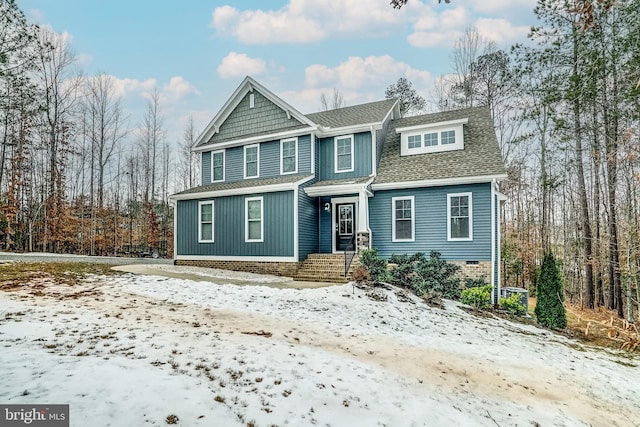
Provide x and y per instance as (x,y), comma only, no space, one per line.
(550,309)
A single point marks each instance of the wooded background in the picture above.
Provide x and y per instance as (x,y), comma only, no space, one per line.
(75,178)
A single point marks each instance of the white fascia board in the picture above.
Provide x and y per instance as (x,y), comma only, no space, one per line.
(256,139)
(248,85)
(326,132)
(237,191)
(338,190)
(433,125)
(235,258)
(391,110)
(272,188)
(437,182)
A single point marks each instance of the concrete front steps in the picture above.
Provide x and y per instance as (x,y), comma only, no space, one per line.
(325,268)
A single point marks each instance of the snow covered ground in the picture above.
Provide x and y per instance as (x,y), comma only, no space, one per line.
(132,350)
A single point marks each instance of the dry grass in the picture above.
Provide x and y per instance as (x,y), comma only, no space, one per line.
(14,275)
(599,328)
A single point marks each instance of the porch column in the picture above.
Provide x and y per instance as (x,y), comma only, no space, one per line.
(363,238)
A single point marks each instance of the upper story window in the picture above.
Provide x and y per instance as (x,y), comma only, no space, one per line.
(432,138)
(289,156)
(343,146)
(205,222)
(459,216)
(251,161)
(217,166)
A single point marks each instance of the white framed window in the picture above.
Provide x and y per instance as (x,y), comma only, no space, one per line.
(447,137)
(289,156)
(252,100)
(343,146)
(253,219)
(435,137)
(205,222)
(459,217)
(403,219)
(217,166)
(431,139)
(415,141)
(251,161)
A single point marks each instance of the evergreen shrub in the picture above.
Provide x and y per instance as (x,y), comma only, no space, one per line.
(550,310)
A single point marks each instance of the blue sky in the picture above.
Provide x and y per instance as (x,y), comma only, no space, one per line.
(196,52)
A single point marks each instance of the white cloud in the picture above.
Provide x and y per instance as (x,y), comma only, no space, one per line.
(305,21)
(240,65)
(125,87)
(358,72)
(502,7)
(176,89)
(500,30)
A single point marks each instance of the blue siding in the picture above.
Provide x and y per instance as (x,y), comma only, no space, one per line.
(361,162)
(206,168)
(229,227)
(304,154)
(431,223)
(308,211)
(269,160)
(326,228)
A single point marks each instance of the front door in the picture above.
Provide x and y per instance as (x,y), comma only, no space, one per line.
(345,225)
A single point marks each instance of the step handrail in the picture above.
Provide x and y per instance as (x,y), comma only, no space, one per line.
(349,253)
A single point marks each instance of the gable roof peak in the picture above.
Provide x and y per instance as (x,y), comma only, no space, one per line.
(248,85)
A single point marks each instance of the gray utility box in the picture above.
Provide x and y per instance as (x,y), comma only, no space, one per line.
(523,294)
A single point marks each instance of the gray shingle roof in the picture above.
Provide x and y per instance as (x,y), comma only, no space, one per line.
(343,181)
(481,155)
(371,112)
(247,183)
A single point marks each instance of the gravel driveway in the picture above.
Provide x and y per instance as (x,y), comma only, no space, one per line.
(47,257)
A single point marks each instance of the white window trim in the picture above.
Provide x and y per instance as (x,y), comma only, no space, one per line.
(460,239)
(335,153)
(246,219)
(453,125)
(244,158)
(282,172)
(413,218)
(213,220)
(224,161)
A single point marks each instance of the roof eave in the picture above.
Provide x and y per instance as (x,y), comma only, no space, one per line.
(437,182)
(256,139)
(267,188)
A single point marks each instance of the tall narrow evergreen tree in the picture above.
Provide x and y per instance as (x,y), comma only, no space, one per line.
(550,309)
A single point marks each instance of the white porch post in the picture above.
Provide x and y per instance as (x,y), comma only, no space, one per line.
(363,237)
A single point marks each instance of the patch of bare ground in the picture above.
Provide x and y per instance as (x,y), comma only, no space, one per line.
(431,368)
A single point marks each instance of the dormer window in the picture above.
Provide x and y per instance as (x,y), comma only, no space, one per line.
(432,138)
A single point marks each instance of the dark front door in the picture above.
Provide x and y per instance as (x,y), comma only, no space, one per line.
(345,225)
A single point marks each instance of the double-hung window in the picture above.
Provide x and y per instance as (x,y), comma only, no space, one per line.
(205,222)
(288,156)
(403,219)
(217,166)
(251,161)
(253,219)
(344,153)
(459,216)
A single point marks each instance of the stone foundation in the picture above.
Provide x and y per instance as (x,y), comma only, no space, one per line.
(474,271)
(288,269)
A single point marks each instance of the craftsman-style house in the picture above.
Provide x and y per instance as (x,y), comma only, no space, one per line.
(292,194)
